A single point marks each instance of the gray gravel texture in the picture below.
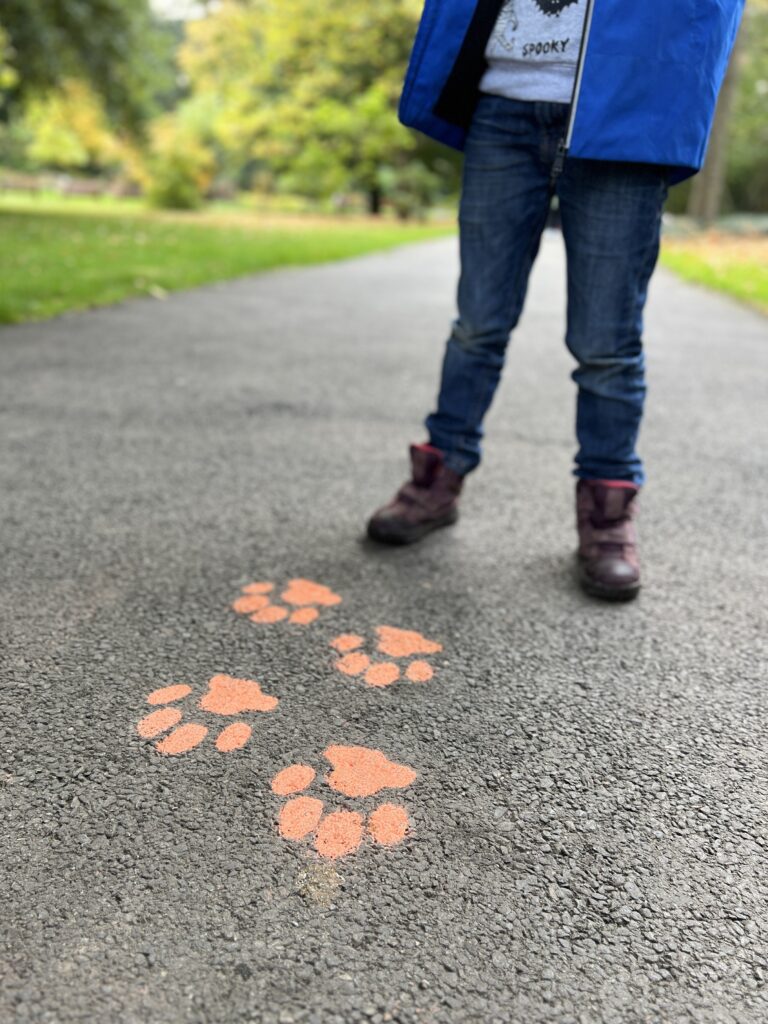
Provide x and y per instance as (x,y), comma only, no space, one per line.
(590,811)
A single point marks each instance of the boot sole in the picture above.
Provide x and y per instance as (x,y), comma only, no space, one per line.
(594,589)
(412,534)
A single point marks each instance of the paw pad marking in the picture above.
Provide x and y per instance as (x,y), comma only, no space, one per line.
(225,696)
(356,772)
(395,643)
(303,598)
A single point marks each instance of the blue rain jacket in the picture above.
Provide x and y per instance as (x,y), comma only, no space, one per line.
(650,74)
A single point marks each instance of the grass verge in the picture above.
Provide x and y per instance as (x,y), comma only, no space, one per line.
(74,254)
(735,264)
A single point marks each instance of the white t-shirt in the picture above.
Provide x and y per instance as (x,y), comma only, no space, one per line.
(534,49)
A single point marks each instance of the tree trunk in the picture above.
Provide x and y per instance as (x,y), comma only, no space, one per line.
(708,190)
(374,201)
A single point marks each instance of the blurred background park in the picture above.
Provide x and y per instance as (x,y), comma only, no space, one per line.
(148,146)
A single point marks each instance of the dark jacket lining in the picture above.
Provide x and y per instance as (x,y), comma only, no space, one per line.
(456,103)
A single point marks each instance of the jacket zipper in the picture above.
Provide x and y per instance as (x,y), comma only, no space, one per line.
(564,143)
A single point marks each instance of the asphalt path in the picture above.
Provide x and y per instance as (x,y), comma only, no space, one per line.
(574,804)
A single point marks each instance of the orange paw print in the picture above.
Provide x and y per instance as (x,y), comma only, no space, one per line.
(303,597)
(225,696)
(357,772)
(395,643)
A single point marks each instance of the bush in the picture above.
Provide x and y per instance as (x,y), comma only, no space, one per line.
(180,167)
(410,190)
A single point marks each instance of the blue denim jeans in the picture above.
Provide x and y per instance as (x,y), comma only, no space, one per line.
(611,221)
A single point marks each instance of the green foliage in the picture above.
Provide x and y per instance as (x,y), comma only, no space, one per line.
(180,166)
(68,128)
(9,77)
(308,94)
(410,189)
(113,44)
(10,147)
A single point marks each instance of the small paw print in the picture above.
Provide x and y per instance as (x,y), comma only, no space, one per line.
(225,696)
(395,643)
(357,772)
(303,597)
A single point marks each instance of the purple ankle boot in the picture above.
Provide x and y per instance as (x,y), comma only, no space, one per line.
(609,566)
(428,501)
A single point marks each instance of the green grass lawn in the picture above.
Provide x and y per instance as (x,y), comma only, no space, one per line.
(64,254)
(737,265)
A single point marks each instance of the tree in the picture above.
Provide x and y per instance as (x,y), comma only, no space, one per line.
(748,136)
(309,91)
(179,166)
(8,75)
(112,44)
(708,189)
(68,128)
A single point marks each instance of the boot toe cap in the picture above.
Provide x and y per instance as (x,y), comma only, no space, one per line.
(610,578)
(615,572)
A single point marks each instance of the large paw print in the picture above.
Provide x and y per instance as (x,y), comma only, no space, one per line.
(357,772)
(395,643)
(225,696)
(303,597)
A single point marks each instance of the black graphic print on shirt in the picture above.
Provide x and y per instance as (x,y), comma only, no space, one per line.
(552,7)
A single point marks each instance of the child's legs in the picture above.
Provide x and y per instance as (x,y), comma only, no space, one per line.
(504,205)
(611,215)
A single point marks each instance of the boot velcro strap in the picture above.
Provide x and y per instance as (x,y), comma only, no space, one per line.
(621,533)
(412,494)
